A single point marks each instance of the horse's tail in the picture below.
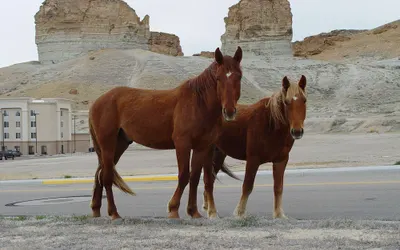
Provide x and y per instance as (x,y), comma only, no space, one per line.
(117,179)
(225,169)
(121,184)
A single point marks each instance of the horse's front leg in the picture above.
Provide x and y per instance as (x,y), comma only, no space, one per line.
(278,169)
(209,179)
(252,165)
(183,158)
(198,160)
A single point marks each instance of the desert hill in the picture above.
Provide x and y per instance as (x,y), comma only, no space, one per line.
(352,45)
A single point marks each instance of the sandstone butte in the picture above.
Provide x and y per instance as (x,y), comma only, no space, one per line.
(260,27)
(67,29)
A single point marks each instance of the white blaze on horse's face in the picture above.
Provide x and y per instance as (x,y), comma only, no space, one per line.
(295,98)
(228,74)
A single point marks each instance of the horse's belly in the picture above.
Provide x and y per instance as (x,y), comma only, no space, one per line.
(157,137)
(233,147)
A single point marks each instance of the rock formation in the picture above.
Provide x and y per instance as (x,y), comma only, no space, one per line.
(165,43)
(314,45)
(66,29)
(207,54)
(381,43)
(260,27)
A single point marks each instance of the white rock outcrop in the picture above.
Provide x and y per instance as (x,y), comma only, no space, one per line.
(66,29)
(260,27)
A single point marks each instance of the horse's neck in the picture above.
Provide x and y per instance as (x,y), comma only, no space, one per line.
(207,90)
(211,99)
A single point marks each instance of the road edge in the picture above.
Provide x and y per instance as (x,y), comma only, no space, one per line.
(174,177)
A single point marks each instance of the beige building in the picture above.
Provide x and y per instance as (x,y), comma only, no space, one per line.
(36,126)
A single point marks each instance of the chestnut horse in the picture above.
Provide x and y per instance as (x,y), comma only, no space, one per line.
(262,132)
(183,118)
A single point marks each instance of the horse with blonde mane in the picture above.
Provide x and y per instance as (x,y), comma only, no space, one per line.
(184,118)
(262,132)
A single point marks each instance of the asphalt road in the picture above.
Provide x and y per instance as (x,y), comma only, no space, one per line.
(315,194)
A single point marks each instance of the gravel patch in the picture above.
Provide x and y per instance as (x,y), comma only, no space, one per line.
(80,232)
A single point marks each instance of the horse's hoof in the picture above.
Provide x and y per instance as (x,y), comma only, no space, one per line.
(196,215)
(280,215)
(117,221)
(173,215)
(213,216)
(238,213)
(96,214)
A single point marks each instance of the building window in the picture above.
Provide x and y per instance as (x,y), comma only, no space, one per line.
(5,113)
(6,136)
(6,124)
(33,124)
(17,148)
(31,150)
(62,135)
(61,113)
(18,113)
(62,124)
(33,135)
(18,135)
(18,124)
(33,112)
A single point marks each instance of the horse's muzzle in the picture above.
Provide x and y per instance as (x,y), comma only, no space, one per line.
(297,133)
(229,116)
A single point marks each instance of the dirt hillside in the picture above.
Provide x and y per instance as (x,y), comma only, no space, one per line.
(352,45)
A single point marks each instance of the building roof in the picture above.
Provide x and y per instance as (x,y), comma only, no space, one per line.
(36,100)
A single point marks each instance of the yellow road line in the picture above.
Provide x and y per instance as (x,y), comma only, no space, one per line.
(352,183)
(127,179)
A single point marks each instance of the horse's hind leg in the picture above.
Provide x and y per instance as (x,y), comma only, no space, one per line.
(97,186)
(278,169)
(109,145)
(122,145)
(97,193)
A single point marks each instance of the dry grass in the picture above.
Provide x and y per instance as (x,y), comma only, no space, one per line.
(59,232)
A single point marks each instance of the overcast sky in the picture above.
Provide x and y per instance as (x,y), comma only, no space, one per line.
(199,24)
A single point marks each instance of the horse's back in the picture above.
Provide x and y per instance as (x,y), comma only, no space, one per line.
(146,116)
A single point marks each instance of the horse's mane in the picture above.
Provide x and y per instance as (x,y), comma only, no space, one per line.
(274,105)
(201,83)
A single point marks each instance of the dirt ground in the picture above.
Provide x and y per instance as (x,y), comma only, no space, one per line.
(228,233)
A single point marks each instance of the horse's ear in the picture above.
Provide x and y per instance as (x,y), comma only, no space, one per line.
(219,57)
(285,83)
(303,82)
(238,54)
